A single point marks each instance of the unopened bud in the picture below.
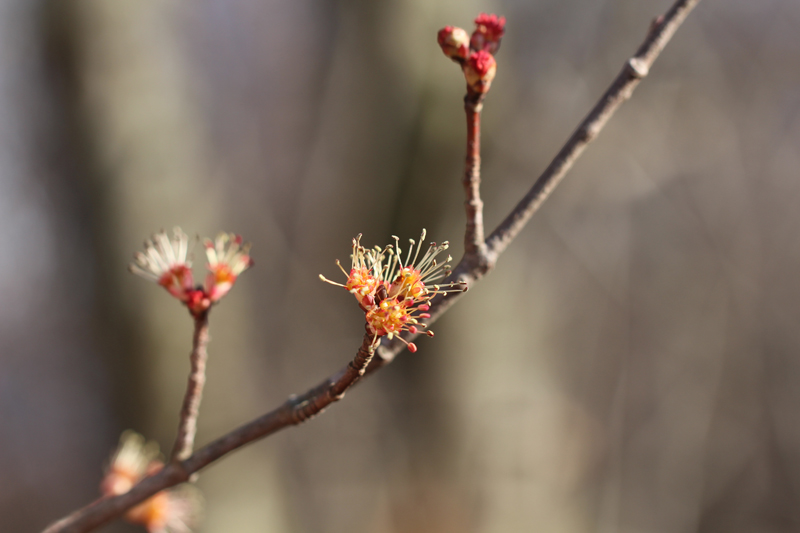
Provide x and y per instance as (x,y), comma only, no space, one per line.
(479,70)
(198,302)
(489,29)
(454,42)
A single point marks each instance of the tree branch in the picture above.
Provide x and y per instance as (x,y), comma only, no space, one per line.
(187,426)
(294,411)
(469,270)
(300,408)
(633,72)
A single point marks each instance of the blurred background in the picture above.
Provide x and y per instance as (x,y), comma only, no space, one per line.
(632,365)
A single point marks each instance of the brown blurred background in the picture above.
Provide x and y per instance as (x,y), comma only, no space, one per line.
(633,364)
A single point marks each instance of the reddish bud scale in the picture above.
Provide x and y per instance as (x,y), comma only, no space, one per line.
(454,43)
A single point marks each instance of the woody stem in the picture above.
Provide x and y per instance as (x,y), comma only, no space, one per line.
(187,427)
(473,235)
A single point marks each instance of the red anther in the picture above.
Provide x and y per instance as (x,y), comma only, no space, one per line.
(429,333)
(412,329)
(424,315)
(424,307)
(412,347)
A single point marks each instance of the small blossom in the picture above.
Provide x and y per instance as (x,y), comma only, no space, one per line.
(488,33)
(165,261)
(227,259)
(169,511)
(479,71)
(128,464)
(393,293)
(454,42)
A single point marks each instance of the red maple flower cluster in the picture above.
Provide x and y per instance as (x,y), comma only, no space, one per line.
(166,261)
(395,294)
(475,54)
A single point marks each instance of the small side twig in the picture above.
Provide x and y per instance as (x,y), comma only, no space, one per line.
(294,411)
(187,426)
(474,247)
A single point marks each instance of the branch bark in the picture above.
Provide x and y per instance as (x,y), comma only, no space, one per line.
(474,245)
(187,426)
(298,409)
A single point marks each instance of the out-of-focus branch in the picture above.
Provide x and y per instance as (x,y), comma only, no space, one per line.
(298,409)
(294,411)
(187,426)
(473,236)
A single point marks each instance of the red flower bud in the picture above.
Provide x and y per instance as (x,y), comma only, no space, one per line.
(488,32)
(198,302)
(454,42)
(479,70)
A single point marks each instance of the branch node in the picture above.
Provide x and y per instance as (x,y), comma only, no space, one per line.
(656,23)
(638,68)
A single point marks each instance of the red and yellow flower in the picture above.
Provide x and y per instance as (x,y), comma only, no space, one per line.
(169,511)
(166,261)
(395,293)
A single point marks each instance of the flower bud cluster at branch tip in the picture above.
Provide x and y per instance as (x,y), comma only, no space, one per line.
(169,511)
(395,294)
(166,261)
(475,54)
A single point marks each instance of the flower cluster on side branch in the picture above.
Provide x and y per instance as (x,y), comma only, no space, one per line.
(166,261)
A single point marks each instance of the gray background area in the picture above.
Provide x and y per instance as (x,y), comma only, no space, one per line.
(631,366)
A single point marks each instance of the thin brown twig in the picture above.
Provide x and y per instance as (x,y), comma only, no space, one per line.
(294,411)
(298,409)
(187,426)
(633,72)
(474,246)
